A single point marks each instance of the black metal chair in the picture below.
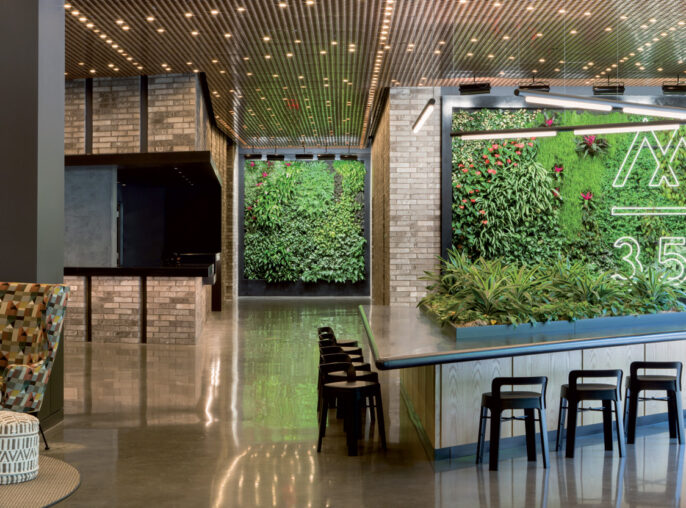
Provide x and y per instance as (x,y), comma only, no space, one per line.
(636,383)
(326,332)
(497,401)
(575,392)
(332,347)
(351,394)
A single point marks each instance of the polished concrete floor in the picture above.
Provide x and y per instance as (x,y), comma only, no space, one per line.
(232,422)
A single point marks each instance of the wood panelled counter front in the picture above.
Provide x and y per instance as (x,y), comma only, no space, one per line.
(442,379)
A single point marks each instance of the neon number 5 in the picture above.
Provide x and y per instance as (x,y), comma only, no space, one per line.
(664,257)
(632,256)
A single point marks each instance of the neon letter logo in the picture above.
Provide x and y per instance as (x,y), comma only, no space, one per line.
(660,174)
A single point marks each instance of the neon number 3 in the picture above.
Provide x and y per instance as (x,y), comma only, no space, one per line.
(632,256)
(664,257)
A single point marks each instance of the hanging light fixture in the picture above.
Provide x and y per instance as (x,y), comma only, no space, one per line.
(507,134)
(598,104)
(579,130)
(621,128)
(563,100)
(424,115)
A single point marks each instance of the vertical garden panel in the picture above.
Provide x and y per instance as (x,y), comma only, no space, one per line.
(304,228)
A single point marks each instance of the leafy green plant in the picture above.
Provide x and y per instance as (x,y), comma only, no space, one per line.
(303,221)
(486,292)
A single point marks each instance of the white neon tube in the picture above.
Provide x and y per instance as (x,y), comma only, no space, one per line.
(567,103)
(510,135)
(648,111)
(627,128)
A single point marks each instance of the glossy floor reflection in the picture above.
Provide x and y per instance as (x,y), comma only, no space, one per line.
(232,422)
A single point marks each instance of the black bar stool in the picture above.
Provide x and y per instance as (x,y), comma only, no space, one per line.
(636,383)
(575,392)
(351,394)
(326,332)
(497,401)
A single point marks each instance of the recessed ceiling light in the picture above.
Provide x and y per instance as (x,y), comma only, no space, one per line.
(474,40)
(214,12)
(214,61)
(266,38)
(470,54)
(67,6)
(289,55)
(267,56)
(241,9)
(587,13)
(160,30)
(322,52)
(83,19)
(334,43)
(90,25)
(227,35)
(188,14)
(194,33)
(283,5)
(573,32)
(506,37)
(150,18)
(297,41)
(92,71)
(119,22)
(75,13)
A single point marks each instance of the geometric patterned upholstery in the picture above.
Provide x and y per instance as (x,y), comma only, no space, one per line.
(31,319)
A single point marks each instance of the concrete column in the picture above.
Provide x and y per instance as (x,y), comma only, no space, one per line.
(32,140)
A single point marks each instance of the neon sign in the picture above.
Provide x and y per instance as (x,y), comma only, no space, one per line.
(663,174)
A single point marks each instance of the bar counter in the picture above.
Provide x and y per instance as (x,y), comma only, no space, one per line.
(442,378)
(154,305)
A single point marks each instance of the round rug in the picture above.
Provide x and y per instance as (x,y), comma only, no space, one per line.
(56,480)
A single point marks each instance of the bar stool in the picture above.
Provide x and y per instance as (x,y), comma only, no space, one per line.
(332,347)
(497,401)
(351,393)
(575,392)
(326,332)
(636,383)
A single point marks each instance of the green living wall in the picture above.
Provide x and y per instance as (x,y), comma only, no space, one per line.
(538,200)
(304,221)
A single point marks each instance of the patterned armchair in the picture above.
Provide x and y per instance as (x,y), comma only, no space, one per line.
(31,319)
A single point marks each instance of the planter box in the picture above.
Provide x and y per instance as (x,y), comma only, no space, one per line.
(619,326)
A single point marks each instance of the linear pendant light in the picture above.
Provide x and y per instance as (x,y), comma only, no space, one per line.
(665,112)
(579,130)
(598,104)
(511,134)
(424,115)
(563,101)
(610,129)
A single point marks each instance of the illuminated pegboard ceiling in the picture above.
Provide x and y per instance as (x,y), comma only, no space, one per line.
(311,72)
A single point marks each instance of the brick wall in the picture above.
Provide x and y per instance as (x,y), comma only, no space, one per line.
(414,194)
(116,115)
(171,113)
(75,320)
(115,303)
(381,210)
(176,310)
(177,121)
(74,116)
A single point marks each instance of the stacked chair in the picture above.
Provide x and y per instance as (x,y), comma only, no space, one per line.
(347,383)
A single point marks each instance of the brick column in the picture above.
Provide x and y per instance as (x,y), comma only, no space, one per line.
(414,193)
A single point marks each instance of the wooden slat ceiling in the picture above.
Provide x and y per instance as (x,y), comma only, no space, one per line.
(310,73)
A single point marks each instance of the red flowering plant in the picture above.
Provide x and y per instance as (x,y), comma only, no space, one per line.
(558,173)
(549,118)
(472,178)
(591,146)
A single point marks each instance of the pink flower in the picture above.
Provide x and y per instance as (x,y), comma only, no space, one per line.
(288,164)
(558,169)
(460,165)
(471,165)
(518,152)
(496,156)
(465,170)
(458,185)
(249,208)
(508,161)
(549,122)
(531,144)
(471,191)
(589,140)
(473,200)
(514,163)
(587,197)
(259,183)
(252,164)
(494,146)
(264,175)
(491,171)
(478,173)
(484,222)
(461,206)
(499,163)
(482,212)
